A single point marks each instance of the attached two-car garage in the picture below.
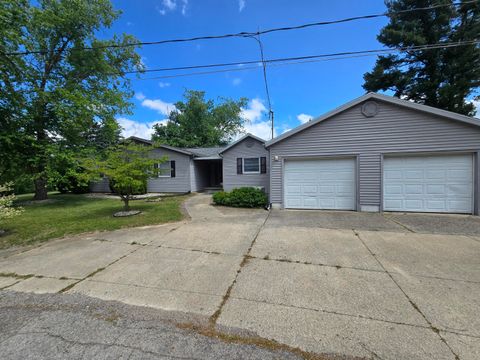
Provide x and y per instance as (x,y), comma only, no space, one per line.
(379,153)
(441,183)
(418,183)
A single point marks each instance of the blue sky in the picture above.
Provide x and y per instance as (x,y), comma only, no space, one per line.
(309,89)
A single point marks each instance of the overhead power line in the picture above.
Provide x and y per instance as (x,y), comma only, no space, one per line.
(256,33)
(258,63)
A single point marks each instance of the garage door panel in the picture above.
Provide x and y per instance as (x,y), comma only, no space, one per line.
(310,202)
(309,189)
(435,189)
(435,174)
(413,189)
(294,189)
(320,184)
(393,189)
(428,183)
(413,175)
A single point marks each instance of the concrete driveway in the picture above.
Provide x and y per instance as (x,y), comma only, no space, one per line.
(391,286)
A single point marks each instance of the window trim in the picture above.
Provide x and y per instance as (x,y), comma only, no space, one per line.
(167,174)
(251,172)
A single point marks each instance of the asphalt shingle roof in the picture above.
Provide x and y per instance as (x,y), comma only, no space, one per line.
(205,152)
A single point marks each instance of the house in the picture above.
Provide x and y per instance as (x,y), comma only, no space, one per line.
(375,153)
(242,163)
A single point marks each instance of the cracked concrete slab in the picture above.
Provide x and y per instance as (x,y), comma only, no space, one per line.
(467,348)
(445,256)
(334,334)
(233,239)
(448,305)
(141,235)
(7,281)
(332,220)
(165,299)
(353,292)
(41,285)
(72,258)
(166,278)
(314,245)
(438,223)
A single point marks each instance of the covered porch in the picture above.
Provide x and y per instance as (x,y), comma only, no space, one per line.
(207,174)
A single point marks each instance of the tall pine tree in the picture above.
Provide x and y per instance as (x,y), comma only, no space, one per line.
(445,77)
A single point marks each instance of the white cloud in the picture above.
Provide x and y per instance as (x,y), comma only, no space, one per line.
(184,7)
(476,103)
(170,4)
(158,105)
(253,115)
(139,129)
(163,84)
(173,5)
(241,5)
(236,81)
(261,129)
(304,118)
(139,96)
(254,111)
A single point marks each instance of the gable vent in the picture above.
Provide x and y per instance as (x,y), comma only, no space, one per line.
(370,109)
(249,143)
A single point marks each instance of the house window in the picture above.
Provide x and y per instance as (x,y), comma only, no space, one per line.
(164,169)
(251,165)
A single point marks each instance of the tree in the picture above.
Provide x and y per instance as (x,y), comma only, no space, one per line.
(64,86)
(199,122)
(443,77)
(7,198)
(127,166)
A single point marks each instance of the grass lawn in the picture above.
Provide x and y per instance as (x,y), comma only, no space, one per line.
(66,214)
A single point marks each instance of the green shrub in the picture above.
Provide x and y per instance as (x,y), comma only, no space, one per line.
(247,197)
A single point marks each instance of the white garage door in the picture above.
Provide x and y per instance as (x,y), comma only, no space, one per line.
(428,183)
(320,184)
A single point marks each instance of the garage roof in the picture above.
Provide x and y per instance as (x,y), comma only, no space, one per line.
(380,97)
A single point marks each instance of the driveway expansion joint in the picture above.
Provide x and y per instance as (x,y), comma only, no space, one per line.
(415,306)
(290,261)
(333,312)
(213,319)
(65,289)
(398,223)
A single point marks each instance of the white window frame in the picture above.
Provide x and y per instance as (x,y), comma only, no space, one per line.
(251,172)
(167,174)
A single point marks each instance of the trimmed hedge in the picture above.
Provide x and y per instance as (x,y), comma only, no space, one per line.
(246,197)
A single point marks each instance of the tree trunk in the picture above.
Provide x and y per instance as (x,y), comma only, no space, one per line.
(40,189)
(126,207)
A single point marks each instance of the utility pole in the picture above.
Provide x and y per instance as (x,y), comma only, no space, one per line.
(264,66)
(271,115)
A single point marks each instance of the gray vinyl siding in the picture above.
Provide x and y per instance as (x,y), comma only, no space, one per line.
(198,175)
(394,129)
(181,182)
(100,186)
(233,180)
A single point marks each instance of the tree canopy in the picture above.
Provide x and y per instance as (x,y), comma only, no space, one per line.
(127,167)
(63,87)
(199,122)
(443,77)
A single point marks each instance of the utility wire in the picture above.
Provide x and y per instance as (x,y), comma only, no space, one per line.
(302,60)
(247,33)
(309,57)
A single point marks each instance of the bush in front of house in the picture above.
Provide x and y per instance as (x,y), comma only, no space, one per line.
(246,197)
